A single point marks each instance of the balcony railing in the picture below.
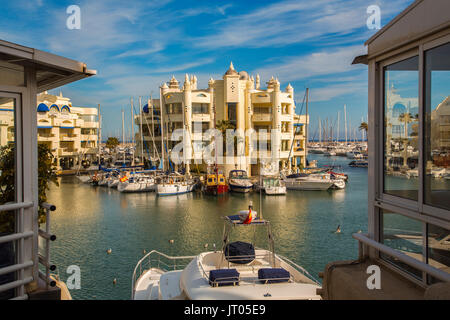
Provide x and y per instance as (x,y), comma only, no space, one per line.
(21,264)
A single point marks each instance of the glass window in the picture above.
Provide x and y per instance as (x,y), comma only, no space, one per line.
(232,112)
(200,108)
(405,235)
(437,127)
(438,249)
(7,187)
(401,128)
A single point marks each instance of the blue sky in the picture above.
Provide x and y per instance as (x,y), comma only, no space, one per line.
(136,45)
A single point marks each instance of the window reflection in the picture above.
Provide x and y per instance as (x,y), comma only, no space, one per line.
(401,129)
(437,127)
(403,234)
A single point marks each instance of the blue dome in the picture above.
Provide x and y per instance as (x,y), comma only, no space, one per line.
(398,109)
(145,108)
(65,107)
(42,107)
(54,106)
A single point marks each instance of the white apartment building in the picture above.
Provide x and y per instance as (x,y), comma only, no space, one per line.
(70,132)
(238,99)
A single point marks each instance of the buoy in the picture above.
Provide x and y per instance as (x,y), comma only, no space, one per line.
(114,281)
(171,241)
(109,251)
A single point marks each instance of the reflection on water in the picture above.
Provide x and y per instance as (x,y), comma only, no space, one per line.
(89,220)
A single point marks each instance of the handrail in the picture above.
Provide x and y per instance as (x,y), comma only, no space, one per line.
(48,237)
(147,258)
(439,274)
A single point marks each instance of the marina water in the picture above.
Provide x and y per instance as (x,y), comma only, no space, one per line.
(90,220)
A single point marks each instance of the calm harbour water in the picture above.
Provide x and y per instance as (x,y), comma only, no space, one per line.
(89,220)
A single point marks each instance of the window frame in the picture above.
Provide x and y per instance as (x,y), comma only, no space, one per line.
(378,200)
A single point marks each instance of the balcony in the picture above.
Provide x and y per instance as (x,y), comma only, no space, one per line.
(262,117)
(46,137)
(67,152)
(68,137)
(90,124)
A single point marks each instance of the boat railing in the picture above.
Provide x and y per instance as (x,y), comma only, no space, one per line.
(252,280)
(159,260)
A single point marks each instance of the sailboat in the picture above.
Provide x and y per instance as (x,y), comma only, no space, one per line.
(175,184)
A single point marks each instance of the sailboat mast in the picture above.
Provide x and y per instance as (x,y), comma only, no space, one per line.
(99,134)
(320,132)
(345,120)
(123,135)
(132,131)
(337,133)
(142,136)
(161,98)
(307,123)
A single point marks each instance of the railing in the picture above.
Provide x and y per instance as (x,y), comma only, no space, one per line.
(44,260)
(21,264)
(20,235)
(432,271)
(150,261)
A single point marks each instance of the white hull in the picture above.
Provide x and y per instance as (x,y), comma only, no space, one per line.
(275,190)
(319,184)
(240,185)
(136,186)
(113,183)
(192,282)
(84,179)
(173,189)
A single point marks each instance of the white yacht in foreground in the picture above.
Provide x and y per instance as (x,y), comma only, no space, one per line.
(237,272)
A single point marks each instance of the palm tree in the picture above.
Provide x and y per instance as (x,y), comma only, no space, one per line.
(223,126)
(364,126)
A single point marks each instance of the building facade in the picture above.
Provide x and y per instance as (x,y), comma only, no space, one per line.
(71,133)
(236,101)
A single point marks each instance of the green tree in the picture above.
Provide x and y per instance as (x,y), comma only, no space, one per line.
(364,126)
(46,175)
(223,126)
(112,142)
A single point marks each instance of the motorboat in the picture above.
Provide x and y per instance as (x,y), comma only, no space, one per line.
(303,181)
(239,271)
(273,186)
(239,181)
(174,185)
(359,163)
(215,184)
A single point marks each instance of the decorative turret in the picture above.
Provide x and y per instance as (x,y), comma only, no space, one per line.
(258,82)
(210,82)
(231,70)
(289,88)
(174,84)
(187,83)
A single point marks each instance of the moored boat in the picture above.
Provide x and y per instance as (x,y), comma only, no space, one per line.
(174,185)
(239,181)
(215,184)
(239,271)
